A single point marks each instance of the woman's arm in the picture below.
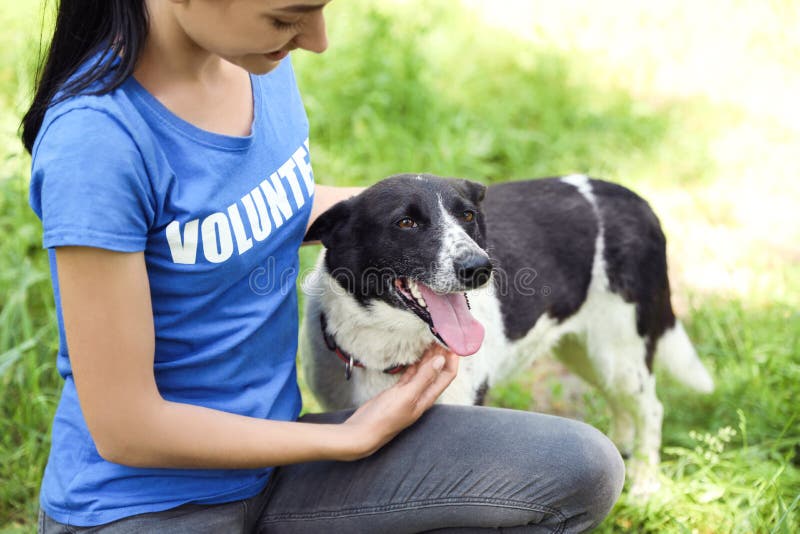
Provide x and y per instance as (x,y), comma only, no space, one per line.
(105,298)
(326,196)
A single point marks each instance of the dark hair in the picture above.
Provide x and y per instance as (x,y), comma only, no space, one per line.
(104,29)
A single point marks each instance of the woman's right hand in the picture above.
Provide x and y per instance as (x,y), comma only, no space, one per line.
(381,418)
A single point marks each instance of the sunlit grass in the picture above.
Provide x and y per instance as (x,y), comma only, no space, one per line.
(729,460)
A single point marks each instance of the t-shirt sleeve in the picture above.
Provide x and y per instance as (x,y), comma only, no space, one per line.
(89,183)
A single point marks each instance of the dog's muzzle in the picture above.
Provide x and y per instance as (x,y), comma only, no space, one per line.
(473,270)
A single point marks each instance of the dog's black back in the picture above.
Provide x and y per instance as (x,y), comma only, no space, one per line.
(542,238)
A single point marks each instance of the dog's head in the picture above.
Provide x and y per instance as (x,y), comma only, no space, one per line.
(417,243)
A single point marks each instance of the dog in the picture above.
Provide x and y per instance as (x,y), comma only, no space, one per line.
(569,265)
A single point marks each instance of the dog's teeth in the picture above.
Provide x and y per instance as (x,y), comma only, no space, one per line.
(416,293)
(414,290)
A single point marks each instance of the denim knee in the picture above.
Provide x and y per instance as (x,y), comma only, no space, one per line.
(577,471)
(598,477)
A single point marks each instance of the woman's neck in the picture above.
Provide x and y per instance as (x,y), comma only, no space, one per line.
(196,85)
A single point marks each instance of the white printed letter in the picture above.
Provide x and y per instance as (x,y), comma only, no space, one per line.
(183,250)
(243,243)
(304,166)
(276,198)
(287,171)
(257,214)
(216,225)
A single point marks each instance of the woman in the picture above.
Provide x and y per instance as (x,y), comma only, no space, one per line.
(171,171)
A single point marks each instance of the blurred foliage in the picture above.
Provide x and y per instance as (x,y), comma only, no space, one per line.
(435,97)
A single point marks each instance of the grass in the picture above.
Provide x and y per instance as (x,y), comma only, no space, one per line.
(438,89)
(730,461)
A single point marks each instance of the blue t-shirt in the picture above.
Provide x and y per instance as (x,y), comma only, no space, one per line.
(220,220)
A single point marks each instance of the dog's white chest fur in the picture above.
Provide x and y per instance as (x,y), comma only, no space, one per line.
(380,337)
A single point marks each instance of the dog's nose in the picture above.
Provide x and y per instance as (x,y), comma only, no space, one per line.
(473,270)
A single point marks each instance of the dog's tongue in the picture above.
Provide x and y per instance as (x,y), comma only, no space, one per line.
(453,321)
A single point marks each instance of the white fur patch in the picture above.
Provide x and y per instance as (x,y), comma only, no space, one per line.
(676,355)
(382,336)
(582,184)
(456,244)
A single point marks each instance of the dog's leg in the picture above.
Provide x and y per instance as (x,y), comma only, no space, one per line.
(637,421)
(599,372)
(613,360)
(623,428)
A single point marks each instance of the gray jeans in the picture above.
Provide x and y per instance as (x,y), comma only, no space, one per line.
(458,469)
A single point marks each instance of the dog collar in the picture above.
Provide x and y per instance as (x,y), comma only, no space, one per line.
(349,361)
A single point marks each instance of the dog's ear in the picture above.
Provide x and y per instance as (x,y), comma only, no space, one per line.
(326,226)
(474,191)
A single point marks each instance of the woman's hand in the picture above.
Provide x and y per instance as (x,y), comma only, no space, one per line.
(381,418)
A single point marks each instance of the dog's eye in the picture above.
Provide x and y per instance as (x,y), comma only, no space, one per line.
(468,215)
(406,222)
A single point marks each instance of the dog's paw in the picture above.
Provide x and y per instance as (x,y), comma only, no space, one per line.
(644,480)
(623,433)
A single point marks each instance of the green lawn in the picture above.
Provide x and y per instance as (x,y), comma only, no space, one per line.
(432,86)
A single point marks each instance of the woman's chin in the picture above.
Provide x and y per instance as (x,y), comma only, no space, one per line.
(256,63)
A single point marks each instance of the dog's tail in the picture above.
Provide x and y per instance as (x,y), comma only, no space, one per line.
(676,355)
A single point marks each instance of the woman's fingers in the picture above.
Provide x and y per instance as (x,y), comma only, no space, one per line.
(411,371)
(443,379)
(386,414)
(408,374)
(433,373)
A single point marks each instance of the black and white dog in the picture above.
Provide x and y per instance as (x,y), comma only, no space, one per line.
(571,266)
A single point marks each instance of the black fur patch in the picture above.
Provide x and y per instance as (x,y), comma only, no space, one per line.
(480,395)
(636,259)
(541,236)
